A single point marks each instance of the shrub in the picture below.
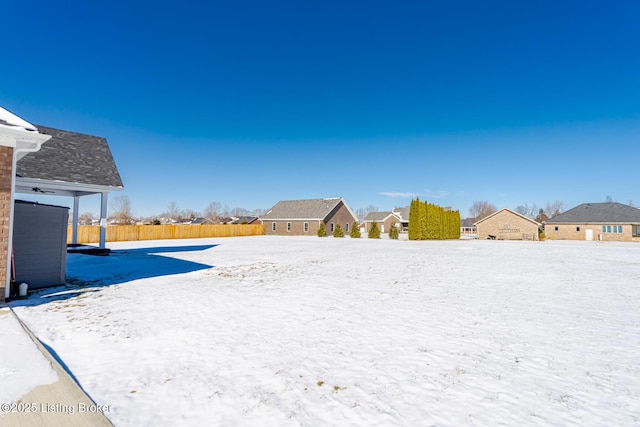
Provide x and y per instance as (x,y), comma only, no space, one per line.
(322,231)
(337,231)
(393,231)
(374,231)
(355,230)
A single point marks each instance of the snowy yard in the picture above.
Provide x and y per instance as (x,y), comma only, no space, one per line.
(307,331)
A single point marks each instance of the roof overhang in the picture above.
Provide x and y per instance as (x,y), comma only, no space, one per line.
(59,188)
(19,134)
(22,140)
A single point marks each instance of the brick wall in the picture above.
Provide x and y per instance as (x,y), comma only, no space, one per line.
(6,172)
(579,232)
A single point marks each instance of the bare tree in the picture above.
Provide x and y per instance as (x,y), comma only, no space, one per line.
(528,211)
(189,214)
(213,212)
(609,199)
(239,212)
(554,208)
(541,216)
(481,209)
(361,213)
(121,210)
(85,218)
(173,211)
(258,212)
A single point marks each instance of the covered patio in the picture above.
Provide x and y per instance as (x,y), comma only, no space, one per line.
(73,165)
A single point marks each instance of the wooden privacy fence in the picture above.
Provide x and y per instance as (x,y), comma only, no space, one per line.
(127,233)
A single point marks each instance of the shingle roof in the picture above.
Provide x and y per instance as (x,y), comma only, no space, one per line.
(303,209)
(599,213)
(403,213)
(379,216)
(467,222)
(71,157)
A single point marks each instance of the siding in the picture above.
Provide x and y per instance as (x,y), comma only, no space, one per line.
(40,244)
(506,225)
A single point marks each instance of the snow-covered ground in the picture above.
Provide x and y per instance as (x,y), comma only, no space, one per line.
(308,331)
(22,365)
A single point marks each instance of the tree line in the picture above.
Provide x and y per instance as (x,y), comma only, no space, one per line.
(121,212)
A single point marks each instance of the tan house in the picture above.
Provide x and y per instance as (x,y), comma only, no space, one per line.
(403,214)
(506,224)
(385,220)
(596,221)
(303,217)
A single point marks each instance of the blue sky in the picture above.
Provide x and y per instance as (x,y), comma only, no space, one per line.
(247,103)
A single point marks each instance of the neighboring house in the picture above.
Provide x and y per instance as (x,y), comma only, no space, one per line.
(383,219)
(303,217)
(241,220)
(590,221)
(403,214)
(200,221)
(467,229)
(506,224)
(248,220)
(74,165)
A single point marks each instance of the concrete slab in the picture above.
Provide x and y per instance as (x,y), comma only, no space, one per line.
(60,404)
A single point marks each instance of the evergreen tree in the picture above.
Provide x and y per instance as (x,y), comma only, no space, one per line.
(426,222)
(337,231)
(414,220)
(374,231)
(393,231)
(355,230)
(322,231)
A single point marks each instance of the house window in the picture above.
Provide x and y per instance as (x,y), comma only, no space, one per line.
(617,229)
(577,228)
(288,226)
(604,228)
(332,225)
(306,227)
(555,228)
(273,226)
(346,227)
(608,229)
(635,231)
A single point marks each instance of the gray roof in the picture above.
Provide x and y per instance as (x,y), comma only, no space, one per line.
(467,222)
(314,209)
(403,213)
(599,213)
(71,157)
(378,216)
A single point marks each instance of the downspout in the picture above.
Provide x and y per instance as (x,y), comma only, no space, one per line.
(14,162)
